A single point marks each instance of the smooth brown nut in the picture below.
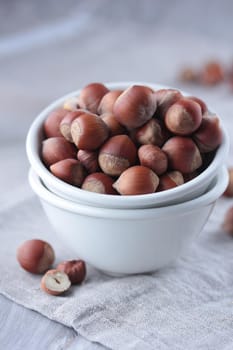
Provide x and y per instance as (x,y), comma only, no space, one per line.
(70,171)
(55,149)
(170,180)
(165,99)
(35,256)
(137,180)
(228,221)
(209,135)
(91,95)
(229,190)
(183,155)
(117,154)
(75,270)
(152,132)
(66,122)
(55,282)
(114,126)
(89,160)
(52,123)
(99,183)
(212,73)
(154,158)
(183,117)
(107,102)
(71,104)
(89,131)
(201,103)
(135,106)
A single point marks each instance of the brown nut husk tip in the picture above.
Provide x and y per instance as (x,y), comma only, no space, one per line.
(55,149)
(183,117)
(229,190)
(55,282)
(70,171)
(91,95)
(99,183)
(154,158)
(183,154)
(137,180)
(201,103)
(52,123)
(75,270)
(89,131)
(227,224)
(117,154)
(135,106)
(170,180)
(89,160)
(35,256)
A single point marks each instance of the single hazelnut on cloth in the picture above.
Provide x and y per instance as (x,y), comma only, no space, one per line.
(35,256)
(75,270)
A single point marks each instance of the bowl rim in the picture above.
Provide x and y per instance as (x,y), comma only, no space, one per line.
(77,194)
(216,188)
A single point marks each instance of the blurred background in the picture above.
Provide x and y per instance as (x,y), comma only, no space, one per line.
(51,47)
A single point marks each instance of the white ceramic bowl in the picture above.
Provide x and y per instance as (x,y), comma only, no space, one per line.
(119,241)
(187,191)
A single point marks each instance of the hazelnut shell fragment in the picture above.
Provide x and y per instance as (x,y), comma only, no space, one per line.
(55,282)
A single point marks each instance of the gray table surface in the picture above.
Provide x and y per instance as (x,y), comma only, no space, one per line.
(49,48)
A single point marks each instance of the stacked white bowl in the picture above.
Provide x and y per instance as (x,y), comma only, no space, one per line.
(125,234)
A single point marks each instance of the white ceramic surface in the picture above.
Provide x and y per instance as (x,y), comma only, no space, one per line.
(120,241)
(187,191)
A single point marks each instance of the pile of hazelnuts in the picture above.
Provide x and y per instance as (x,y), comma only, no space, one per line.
(37,256)
(130,142)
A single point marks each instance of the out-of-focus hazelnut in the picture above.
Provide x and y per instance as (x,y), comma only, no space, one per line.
(165,99)
(70,171)
(107,102)
(170,180)
(52,122)
(228,221)
(229,190)
(75,270)
(212,73)
(188,75)
(201,103)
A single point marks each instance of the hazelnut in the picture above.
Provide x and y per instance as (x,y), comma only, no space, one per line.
(228,221)
(114,126)
(35,256)
(201,103)
(117,154)
(152,132)
(55,149)
(70,171)
(55,282)
(135,106)
(229,190)
(153,157)
(136,180)
(71,104)
(91,95)
(170,180)
(212,73)
(99,183)
(75,270)
(52,123)
(66,122)
(108,100)
(209,135)
(188,75)
(89,160)
(165,99)
(183,155)
(89,131)
(183,117)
